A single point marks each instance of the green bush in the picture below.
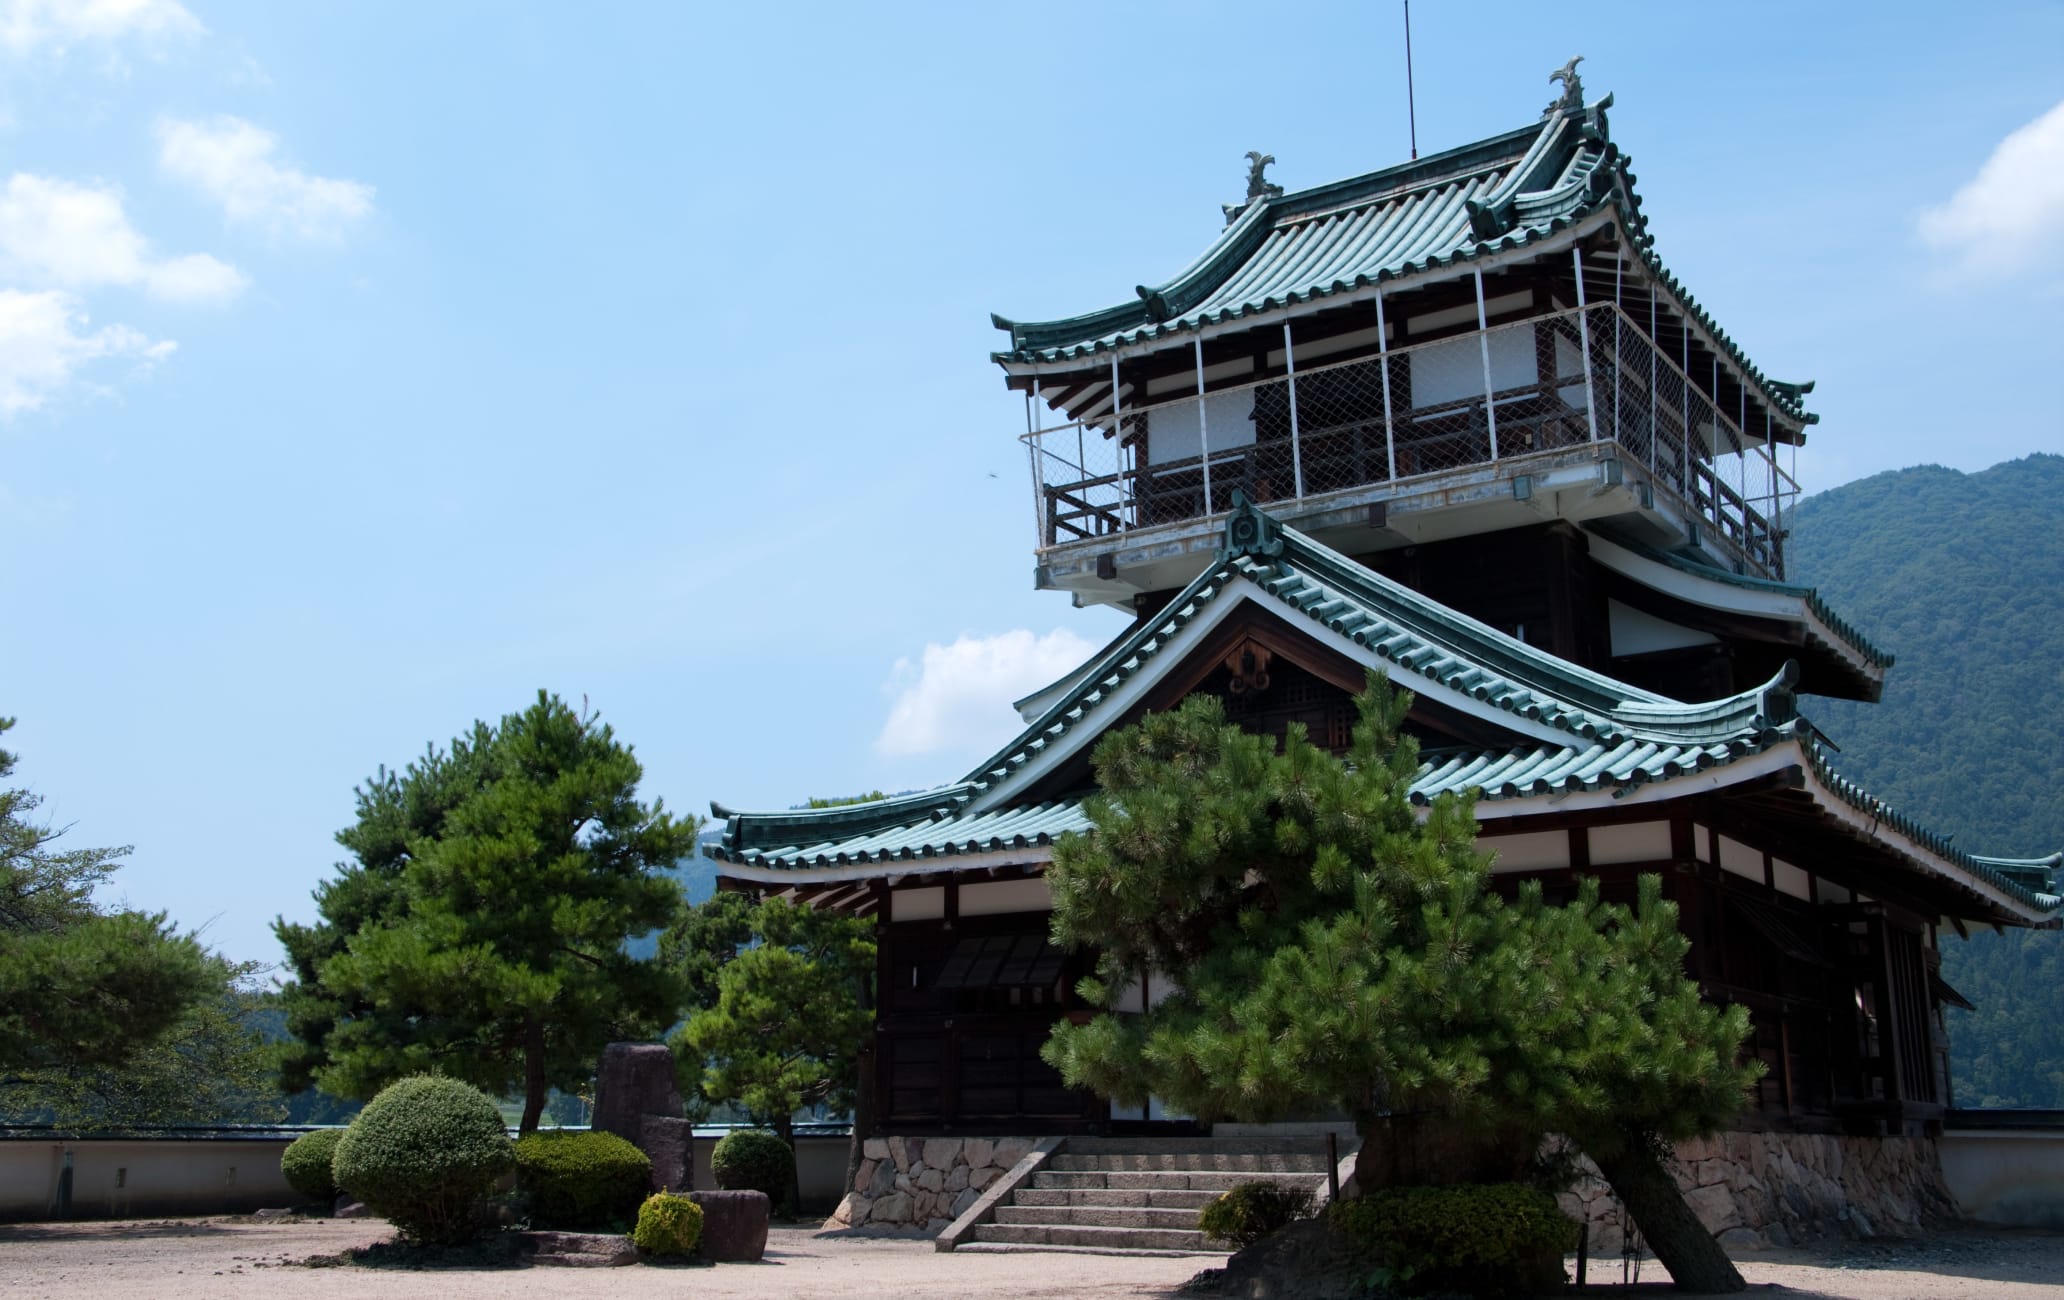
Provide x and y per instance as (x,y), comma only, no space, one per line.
(753,1159)
(423,1154)
(306,1164)
(1245,1214)
(1494,1239)
(668,1225)
(581,1181)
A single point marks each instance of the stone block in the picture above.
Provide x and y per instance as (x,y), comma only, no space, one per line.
(957,1179)
(978,1152)
(1742,1239)
(1714,1206)
(875,1148)
(1009,1151)
(904,1185)
(891,1209)
(864,1175)
(981,1178)
(884,1180)
(851,1212)
(968,1196)
(668,1141)
(632,1081)
(941,1153)
(931,1180)
(734,1225)
(937,1226)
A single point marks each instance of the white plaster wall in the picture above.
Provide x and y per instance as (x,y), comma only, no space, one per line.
(120,1178)
(2013,1176)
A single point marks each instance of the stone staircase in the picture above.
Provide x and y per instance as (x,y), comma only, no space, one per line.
(1140,1194)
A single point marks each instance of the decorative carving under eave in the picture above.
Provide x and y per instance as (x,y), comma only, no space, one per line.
(1249,665)
(1259,186)
(1572,97)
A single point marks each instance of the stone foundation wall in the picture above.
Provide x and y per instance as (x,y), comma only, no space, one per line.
(1778,1189)
(907,1182)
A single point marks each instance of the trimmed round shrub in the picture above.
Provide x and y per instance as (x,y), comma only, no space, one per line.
(1248,1212)
(581,1181)
(306,1164)
(668,1225)
(1484,1239)
(423,1154)
(754,1160)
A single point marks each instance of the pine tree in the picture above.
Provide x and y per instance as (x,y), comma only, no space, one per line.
(1332,945)
(481,932)
(82,988)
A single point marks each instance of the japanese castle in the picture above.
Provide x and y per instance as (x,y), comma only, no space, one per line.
(1453,420)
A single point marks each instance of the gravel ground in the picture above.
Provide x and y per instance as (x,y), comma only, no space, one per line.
(185,1258)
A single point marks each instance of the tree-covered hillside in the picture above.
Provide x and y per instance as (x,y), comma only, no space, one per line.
(1962,577)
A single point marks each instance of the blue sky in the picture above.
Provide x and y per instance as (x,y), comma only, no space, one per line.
(366,367)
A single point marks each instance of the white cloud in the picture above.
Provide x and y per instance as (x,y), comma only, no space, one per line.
(30,25)
(45,340)
(54,233)
(231,161)
(959,696)
(2006,217)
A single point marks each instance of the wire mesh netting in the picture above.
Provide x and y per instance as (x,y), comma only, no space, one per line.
(1542,385)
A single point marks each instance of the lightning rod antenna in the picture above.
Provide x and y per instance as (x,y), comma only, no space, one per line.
(1411,99)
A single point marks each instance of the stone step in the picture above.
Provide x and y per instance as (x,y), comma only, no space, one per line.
(1104,1196)
(1164,1180)
(1097,1216)
(1088,1146)
(1029,1234)
(1279,1162)
(1008,1248)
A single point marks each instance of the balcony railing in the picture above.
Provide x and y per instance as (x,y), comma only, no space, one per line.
(1549,384)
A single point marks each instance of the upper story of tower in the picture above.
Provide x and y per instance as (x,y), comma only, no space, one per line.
(1476,342)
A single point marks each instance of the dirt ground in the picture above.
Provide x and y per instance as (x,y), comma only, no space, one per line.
(189,1258)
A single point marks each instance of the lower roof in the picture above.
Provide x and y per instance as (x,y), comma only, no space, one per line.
(1578,739)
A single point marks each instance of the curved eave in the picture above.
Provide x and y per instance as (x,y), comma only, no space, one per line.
(1510,785)
(1837,640)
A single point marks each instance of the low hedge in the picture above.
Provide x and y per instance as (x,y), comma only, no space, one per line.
(581,1181)
(423,1155)
(1248,1212)
(1496,1239)
(306,1164)
(668,1225)
(754,1160)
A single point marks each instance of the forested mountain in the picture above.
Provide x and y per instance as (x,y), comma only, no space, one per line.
(1961,576)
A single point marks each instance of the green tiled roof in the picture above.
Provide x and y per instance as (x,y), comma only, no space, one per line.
(1446,210)
(1495,775)
(1417,637)
(1619,738)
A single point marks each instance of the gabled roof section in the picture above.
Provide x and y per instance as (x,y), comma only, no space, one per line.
(1443,211)
(1421,643)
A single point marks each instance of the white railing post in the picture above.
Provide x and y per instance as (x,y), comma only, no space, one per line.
(1584,334)
(1619,357)
(1653,344)
(1032,462)
(1296,451)
(1383,360)
(1203,425)
(1125,490)
(1684,347)
(1483,343)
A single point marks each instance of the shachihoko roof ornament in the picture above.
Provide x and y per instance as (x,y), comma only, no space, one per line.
(1572,97)
(1258,185)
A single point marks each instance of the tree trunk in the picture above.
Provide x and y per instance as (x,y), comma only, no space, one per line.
(784,1128)
(1680,1242)
(533,1075)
